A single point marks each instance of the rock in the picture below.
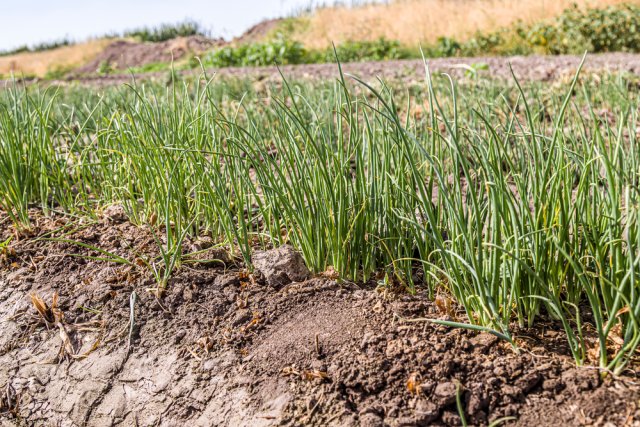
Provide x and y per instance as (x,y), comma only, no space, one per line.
(426,412)
(115,214)
(483,341)
(366,339)
(406,422)
(188,294)
(279,267)
(445,393)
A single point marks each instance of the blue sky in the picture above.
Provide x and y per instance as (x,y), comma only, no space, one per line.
(31,21)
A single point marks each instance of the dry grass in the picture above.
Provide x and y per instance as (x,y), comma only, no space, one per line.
(415,21)
(38,63)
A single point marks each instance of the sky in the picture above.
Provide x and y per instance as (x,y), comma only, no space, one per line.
(32,21)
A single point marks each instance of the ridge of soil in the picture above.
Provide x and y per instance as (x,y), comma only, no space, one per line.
(124,54)
(258,32)
(526,68)
(222,348)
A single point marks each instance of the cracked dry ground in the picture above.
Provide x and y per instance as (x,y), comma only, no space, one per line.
(224,348)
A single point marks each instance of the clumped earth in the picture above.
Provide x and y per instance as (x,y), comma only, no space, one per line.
(123,54)
(222,346)
(525,68)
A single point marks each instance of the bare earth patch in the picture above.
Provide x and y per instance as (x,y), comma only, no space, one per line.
(224,348)
(525,68)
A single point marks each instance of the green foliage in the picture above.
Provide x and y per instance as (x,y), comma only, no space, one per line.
(165,32)
(152,67)
(40,47)
(611,29)
(105,68)
(58,72)
(278,51)
(378,50)
(615,28)
(283,51)
(521,202)
(446,46)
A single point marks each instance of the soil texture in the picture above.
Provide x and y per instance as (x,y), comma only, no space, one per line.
(88,342)
(525,68)
(124,54)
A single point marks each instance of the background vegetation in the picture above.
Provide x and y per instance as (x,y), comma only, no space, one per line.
(576,30)
(413,22)
(166,32)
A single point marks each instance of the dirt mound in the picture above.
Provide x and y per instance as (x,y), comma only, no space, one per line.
(123,54)
(224,348)
(258,32)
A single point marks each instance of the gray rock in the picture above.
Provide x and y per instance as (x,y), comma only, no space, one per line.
(279,267)
(115,213)
(426,412)
(445,393)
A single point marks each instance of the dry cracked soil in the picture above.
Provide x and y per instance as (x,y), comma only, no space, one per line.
(222,347)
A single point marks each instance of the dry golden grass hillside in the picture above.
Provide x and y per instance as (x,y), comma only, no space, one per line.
(415,21)
(39,63)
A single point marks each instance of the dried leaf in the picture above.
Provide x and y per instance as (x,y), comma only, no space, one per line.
(413,383)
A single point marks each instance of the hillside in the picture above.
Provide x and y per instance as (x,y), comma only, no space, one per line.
(417,21)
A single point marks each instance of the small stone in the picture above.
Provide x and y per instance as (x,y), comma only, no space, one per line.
(445,393)
(365,340)
(426,412)
(115,214)
(483,341)
(279,267)
(406,422)
(188,294)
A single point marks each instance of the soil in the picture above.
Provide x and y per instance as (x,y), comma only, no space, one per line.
(258,32)
(222,347)
(123,54)
(540,68)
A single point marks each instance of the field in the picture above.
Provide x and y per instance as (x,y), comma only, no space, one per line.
(374,32)
(418,21)
(223,250)
(61,59)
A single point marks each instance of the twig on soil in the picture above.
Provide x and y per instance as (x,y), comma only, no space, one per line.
(313,410)
(132,304)
(318,346)
(14,316)
(9,401)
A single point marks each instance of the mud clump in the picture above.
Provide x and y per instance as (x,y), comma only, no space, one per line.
(279,267)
